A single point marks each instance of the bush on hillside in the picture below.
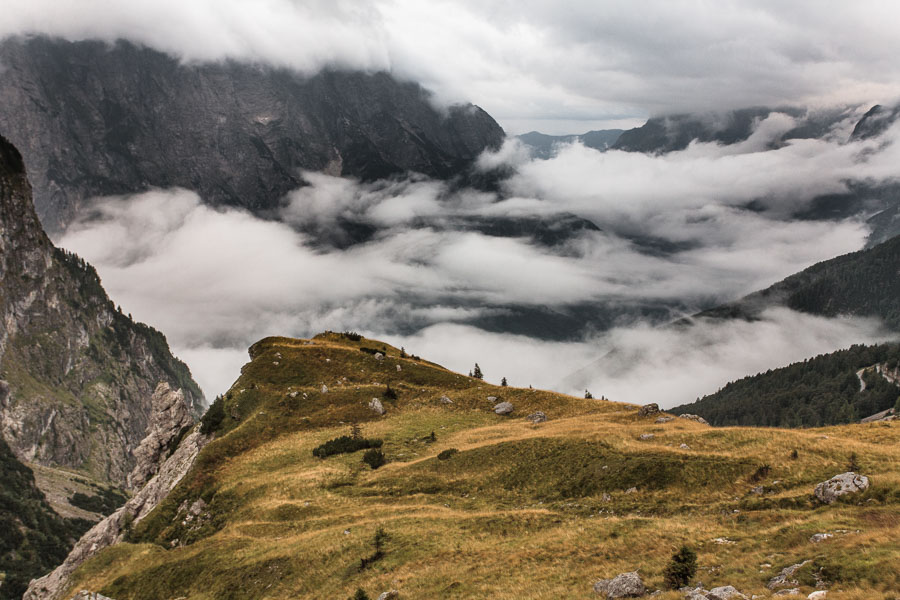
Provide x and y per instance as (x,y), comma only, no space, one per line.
(447,454)
(212,419)
(345,445)
(681,568)
(374,458)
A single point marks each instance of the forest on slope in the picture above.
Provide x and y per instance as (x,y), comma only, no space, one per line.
(824,390)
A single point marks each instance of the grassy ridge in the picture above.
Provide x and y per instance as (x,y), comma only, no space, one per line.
(520,511)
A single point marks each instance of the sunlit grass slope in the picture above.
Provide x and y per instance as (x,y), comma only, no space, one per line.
(522,510)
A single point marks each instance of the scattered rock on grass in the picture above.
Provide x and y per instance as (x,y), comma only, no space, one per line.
(504,408)
(537,417)
(492,398)
(648,409)
(388,595)
(684,447)
(725,592)
(379,356)
(626,585)
(376,406)
(788,592)
(446,400)
(324,389)
(691,417)
(817,595)
(785,577)
(820,537)
(86,595)
(840,485)
(646,436)
(664,419)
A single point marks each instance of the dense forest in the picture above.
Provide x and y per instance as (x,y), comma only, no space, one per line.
(824,390)
(34,538)
(863,283)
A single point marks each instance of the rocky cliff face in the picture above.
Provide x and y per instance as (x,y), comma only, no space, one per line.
(93,119)
(113,528)
(78,376)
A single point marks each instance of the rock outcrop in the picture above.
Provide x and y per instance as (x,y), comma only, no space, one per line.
(841,485)
(503,408)
(94,119)
(79,375)
(170,420)
(112,529)
(625,585)
(648,410)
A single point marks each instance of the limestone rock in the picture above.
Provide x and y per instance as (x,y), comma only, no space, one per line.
(492,398)
(691,417)
(785,577)
(86,595)
(664,419)
(504,408)
(820,537)
(625,585)
(399,368)
(111,530)
(725,592)
(376,406)
(684,447)
(648,410)
(379,356)
(788,592)
(324,389)
(646,436)
(446,400)
(170,419)
(388,595)
(537,417)
(817,595)
(840,485)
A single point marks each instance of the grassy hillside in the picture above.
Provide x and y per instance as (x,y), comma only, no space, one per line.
(491,506)
(830,389)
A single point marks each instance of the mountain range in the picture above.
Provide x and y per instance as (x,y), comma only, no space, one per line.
(94,119)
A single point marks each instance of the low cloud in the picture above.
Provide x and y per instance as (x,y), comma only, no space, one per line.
(632,231)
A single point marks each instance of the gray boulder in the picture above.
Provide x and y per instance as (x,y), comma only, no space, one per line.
(626,585)
(820,537)
(446,400)
(646,436)
(841,485)
(504,408)
(697,418)
(376,406)
(786,577)
(664,419)
(537,417)
(86,595)
(648,409)
(388,595)
(725,592)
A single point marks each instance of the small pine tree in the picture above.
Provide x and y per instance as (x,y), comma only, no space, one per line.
(588,395)
(356,431)
(503,382)
(360,595)
(681,568)
(476,372)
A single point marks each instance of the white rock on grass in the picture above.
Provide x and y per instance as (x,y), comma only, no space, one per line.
(725,592)
(388,595)
(446,400)
(625,585)
(817,595)
(376,406)
(820,537)
(841,485)
(785,577)
(504,408)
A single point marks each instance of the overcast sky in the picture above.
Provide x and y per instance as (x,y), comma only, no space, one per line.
(555,66)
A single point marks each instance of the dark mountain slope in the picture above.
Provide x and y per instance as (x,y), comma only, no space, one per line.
(93,119)
(863,283)
(824,390)
(77,377)
(33,538)
(544,146)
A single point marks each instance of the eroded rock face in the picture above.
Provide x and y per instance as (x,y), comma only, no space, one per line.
(112,529)
(67,353)
(170,419)
(841,485)
(785,578)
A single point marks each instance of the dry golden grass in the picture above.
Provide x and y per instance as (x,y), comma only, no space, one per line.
(522,511)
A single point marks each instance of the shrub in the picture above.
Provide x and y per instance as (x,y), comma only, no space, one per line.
(374,458)
(344,445)
(389,393)
(681,568)
(853,463)
(794,454)
(446,454)
(351,335)
(761,473)
(430,439)
(588,395)
(360,595)
(503,382)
